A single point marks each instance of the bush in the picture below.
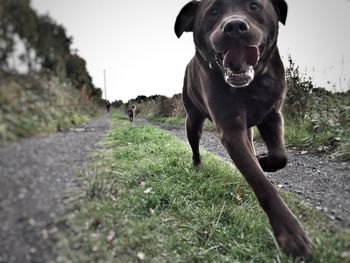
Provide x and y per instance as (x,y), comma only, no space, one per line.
(316,119)
(160,106)
(299,97)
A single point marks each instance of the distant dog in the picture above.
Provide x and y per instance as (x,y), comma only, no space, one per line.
(236,79)
(131,113)
(108,105)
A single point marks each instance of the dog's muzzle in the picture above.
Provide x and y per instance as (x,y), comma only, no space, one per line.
(237,50)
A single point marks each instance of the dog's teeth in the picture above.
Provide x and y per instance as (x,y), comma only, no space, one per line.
(239,74)
(233,79)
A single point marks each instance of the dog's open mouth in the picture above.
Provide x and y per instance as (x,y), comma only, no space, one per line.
(238,65)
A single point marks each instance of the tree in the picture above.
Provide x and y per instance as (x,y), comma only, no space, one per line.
(45,42)
(17,19)
(77,72)
(53,46)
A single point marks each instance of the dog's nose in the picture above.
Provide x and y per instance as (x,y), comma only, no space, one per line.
(235,27)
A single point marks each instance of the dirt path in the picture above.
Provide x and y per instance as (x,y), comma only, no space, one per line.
(323,183)
(34,174)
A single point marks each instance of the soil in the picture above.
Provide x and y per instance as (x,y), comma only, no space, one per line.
(34,175)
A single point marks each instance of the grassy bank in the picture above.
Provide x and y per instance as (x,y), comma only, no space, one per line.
(142,201)
(31,105)
(302,134)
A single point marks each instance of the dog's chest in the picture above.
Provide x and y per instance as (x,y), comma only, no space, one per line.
(257,104)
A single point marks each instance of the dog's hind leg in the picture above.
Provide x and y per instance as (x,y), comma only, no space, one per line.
(194,126)
(271,131)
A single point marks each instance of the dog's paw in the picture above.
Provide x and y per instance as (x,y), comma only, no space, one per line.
(292,239)
(271,164)
(197,164)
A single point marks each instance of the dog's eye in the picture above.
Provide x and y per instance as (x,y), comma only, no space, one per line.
(254,6)
(214,12)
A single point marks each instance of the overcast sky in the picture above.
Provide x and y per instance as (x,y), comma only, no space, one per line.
(135,42)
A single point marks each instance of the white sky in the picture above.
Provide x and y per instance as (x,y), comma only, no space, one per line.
(135,42)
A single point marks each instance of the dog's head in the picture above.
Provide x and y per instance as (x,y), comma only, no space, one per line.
(236,36)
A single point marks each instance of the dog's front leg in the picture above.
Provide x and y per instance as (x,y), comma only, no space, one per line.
(271,131)
(287,229)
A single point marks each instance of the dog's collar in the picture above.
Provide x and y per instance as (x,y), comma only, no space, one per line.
(211,66)
(205,61)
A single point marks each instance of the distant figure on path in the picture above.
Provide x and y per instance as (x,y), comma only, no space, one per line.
(131,112)
(108,105)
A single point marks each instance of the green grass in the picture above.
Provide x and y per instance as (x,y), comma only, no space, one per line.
(141,195)
(176,121)
(171,121)
(298,134)
(305,135)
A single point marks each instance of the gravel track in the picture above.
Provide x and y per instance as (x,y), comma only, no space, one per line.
(320,182)
(34,174)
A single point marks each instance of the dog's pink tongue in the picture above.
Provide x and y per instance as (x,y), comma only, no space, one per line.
(233,56)
(252,55)
(239,55)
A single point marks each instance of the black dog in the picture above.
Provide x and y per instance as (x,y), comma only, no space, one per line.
(236,79)
(108,105)
(131,113)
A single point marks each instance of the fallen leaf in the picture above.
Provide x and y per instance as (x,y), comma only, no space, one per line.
(143,185)
(94,248)
(141,256)
(345,254)
(53,230)
(148,190)
(45,234)
(111,236)
(32,222)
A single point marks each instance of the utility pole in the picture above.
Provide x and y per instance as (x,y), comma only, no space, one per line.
(104,79)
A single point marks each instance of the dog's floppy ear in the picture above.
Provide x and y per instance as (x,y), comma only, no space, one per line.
(185,19)
(282,10)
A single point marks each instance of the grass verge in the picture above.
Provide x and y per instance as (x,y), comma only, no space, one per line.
(176,121)
(31,105)
(143,202)
(298,134)
(325,139)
